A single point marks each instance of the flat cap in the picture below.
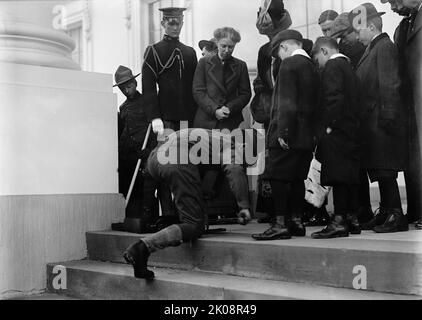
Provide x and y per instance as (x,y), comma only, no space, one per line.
(340,25)
(284,35)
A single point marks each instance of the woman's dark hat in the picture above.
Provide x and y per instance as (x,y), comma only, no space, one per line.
(209,44)
(123,75)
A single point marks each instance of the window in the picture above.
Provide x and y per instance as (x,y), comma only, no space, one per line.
(78,27)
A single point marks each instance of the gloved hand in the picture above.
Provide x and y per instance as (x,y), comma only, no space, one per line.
(158,126)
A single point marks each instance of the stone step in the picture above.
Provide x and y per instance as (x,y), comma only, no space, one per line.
(392,262)
(104,280)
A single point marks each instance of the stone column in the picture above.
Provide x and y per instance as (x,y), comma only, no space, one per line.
(27,35)
(58,148)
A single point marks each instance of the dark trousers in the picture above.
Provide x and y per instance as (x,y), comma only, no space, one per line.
(288,197)
(143,192)
(167,204)
(364,197)
(388,187)
(346,199)
(413,176)
(184,181)
(390,194)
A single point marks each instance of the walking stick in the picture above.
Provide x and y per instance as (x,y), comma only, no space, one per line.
(132,183)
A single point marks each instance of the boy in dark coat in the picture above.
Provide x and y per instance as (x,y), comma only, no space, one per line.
(291,134)
(384,119)
(338,144)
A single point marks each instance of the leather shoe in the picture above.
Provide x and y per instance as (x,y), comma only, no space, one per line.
(418,225)
(378,220)
(297,228)
(277,231)
(336,229)
(137,255)
(353,224)
(317,220)
(395,222)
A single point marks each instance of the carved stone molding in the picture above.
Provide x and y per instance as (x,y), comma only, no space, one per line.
(128,17)
(26,43)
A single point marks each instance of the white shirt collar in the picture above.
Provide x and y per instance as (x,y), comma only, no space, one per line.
(339,55)
(300,52)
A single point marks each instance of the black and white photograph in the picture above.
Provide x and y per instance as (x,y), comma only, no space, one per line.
(210,154)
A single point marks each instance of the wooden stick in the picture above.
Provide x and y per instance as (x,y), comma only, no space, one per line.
(138,165)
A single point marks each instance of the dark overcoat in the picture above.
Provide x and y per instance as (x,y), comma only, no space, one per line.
(264,84)
(295,101)
(354,51)
(293,112)
(382,148)
(171,65)
(338,151)
(413,58)
(212,90)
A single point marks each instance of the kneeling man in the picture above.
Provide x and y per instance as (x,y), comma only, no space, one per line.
(178,163)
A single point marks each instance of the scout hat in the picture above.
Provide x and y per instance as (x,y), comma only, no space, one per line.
(367,11)
(122,75)
(284,35)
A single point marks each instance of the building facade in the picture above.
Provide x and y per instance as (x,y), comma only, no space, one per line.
(110,33)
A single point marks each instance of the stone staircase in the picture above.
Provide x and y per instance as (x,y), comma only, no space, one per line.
(232,266)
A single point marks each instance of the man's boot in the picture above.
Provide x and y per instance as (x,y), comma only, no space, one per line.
(353,224)
(336,229)
(378,220)
(277,231)
(395,222)
(137,255)
(296,226)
